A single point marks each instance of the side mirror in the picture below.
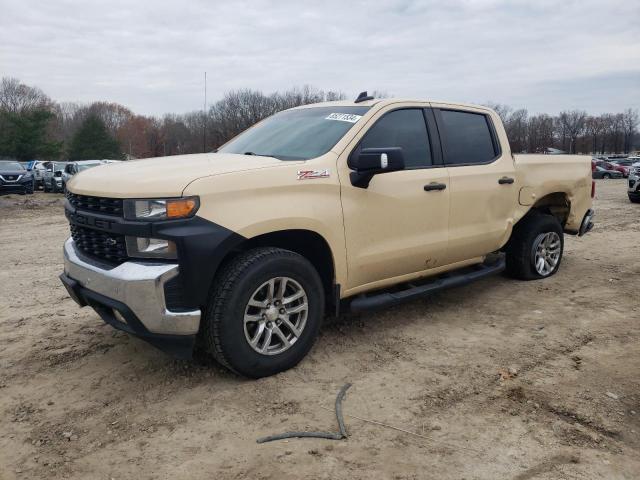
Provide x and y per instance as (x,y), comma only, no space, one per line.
(368,162)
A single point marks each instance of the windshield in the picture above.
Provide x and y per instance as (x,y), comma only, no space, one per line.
(298,134)
(11,165)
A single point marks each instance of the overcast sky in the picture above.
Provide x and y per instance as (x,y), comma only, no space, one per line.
(150,55)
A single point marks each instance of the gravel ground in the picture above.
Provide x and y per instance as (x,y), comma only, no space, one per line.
(499,379)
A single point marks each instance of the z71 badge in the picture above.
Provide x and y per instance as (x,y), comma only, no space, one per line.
(311,174)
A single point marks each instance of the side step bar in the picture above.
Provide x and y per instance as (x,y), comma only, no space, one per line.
(448,280)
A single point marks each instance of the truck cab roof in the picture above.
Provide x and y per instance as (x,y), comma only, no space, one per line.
(382,102)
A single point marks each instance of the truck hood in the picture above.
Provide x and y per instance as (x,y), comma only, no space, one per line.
(162,176)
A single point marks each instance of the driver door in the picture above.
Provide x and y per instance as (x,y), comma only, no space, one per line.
(396,227)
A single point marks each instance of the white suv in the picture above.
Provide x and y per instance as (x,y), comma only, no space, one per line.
(634,182)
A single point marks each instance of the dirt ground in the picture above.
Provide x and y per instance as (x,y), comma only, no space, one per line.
(499,379)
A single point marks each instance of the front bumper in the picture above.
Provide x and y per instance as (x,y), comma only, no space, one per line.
(21,186)
(131,297)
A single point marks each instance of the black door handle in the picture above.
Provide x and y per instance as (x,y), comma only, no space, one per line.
(434,186)
(505,181)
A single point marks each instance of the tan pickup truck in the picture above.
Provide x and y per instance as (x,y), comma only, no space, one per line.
(315,210)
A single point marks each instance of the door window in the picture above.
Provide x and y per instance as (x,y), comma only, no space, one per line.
(466,138)
(402,128)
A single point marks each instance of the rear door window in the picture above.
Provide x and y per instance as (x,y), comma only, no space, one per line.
(467,138)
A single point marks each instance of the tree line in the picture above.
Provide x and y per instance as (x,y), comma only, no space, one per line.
(572,131)
(33,126)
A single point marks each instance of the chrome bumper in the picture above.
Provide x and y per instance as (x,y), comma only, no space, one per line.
(138,285)
(587,222)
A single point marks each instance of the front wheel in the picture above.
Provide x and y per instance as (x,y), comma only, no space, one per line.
(264,312)
(535,248)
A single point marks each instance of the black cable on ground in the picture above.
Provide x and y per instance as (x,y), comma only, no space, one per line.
(328,435)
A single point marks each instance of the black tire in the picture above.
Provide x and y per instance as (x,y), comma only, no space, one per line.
(45,188)
(605,176)
(520,250)
(223,333)
(634,200)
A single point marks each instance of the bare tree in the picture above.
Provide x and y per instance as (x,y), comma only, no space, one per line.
(594,128)
(540,133)
(16,97)
(572,126)
(629,123)
(503,111)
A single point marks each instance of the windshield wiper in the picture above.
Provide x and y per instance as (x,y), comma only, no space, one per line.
(261,154)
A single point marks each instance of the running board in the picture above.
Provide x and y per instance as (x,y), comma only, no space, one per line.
(452,279)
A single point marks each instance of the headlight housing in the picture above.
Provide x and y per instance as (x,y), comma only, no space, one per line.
(154,209)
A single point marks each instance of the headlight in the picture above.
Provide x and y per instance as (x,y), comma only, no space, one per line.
(161,209)
(139,247)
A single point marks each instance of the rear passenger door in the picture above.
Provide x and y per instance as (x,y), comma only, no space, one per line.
(483,189)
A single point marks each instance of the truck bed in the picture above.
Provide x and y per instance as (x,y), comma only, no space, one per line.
(543,175)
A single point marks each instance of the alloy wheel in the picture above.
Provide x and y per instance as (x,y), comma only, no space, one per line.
(546,249)
(275,315)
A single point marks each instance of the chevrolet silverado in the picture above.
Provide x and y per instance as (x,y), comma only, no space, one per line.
(337,206)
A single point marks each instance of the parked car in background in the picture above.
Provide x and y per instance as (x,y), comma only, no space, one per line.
(38,173)
(602,172)
(626,162)
(52,178)
(36,167)
(15,178)
(611,165)
(72,168)
(634,182)
(620,167)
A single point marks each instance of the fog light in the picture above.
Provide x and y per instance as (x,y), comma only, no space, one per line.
(141,247)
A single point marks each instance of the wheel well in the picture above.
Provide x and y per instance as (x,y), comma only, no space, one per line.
(556,204)
(307,243)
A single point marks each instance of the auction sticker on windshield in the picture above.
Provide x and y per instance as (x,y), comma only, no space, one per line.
(344,117)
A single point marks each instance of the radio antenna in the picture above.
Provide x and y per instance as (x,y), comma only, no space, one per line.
(204,126)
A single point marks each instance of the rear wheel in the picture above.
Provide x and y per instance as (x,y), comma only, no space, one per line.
(264,312)
(535,248)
